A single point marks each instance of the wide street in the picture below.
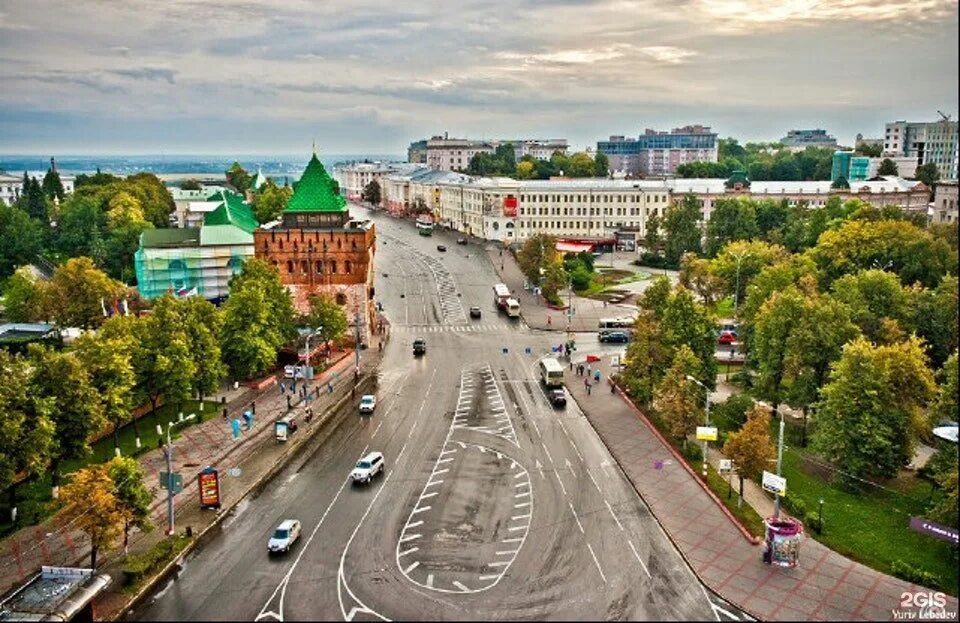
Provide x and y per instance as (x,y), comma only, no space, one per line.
(493,505)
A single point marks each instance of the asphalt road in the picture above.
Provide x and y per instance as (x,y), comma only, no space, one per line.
(493,505)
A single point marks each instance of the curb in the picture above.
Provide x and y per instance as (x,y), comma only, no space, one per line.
(282,461)
(746,533)
(676,546)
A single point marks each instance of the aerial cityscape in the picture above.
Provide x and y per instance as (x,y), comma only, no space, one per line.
(560,310)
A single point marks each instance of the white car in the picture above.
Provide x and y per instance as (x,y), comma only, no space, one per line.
(284,536)
(367,467)
(368,403)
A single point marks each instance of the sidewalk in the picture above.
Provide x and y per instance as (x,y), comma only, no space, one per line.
(824,586)
(208,443)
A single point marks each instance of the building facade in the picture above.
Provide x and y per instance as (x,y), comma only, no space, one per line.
(798,140)
(11,186)
(354,177)
(443,153)
(319,249)
(926,142)
(856,168)
(945,204)
(656,153)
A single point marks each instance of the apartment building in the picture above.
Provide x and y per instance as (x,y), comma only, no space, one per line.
(354,177)
(856,168)
(656,153)
(926,142)
(443,153)
(798,140)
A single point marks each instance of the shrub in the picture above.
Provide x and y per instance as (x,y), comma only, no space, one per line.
(693,452)
(794,505)
(731,414)
(580,278)
(812,521)
(906,571)
(136,568)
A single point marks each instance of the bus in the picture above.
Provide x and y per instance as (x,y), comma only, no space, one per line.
(512,308)
(551,373)
(607,324)
(425,226)
(500,295)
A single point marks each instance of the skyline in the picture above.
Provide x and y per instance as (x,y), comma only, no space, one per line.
(218,78)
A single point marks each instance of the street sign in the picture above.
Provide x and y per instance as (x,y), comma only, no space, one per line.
(726,465)
(706,433)
(774,484)
(176,480)
(944,533)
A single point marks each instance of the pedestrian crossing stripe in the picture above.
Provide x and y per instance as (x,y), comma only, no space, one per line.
(471,328)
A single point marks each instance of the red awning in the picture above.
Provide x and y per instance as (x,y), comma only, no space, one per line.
(574,247)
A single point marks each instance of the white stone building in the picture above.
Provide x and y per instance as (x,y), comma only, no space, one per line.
(945,204)
(11,186)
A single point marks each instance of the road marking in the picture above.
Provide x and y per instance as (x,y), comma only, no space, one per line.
(432,482)
(563,428)
(409,551)
(593,480)
(570,466)
(614,515)
(447,460)
(413,525)
(429,495)
(522,495)
(579,525)
(410,537)
(377,429)
(512,540)
(421,509)
(516,517)
(448,452)
(460,586)
(413,565)
(404,447)
(518,475)
(521,504)
(597,562)
(521,484)
(483,578)
(640,560)
(429,580)
(547,451)
(515,528)
(501,563)
(537,428)
(562,488)
(507,552)
(440,471)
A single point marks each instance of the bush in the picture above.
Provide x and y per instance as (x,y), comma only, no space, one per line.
(655,261)
(580,278)
(137,568)
(812,521)
(906,571)
(794,505)
(731,414)
(693,452)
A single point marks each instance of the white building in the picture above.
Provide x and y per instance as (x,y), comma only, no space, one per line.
(945,204)
(454,154)
(354,177)
(11,186)
(926,142)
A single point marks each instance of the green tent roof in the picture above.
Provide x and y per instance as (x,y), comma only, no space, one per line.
(233,211)
(257,181)
(315,192)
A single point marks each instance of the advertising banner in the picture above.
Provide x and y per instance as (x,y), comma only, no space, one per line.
(774,484)
(706,433)
(510,206)
(925,526)
(209,488)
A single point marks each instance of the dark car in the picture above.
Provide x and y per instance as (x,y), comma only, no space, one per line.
(419,347)
(475,312)
(557,397)
(461,241)
(441,247)
(618,337)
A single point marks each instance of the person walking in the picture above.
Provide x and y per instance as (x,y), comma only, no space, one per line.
(596,376)
(589,387)
(589,372)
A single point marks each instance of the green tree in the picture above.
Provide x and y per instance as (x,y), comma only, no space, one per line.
(750,448)
(739,262)
(238,177)
(655,297)
(26,428)
(191,184)
(776,323)
(887,167)
(536,255)
(81,228)
(132,495)
(270,202)
(250,339)
(204,324)
(77,293)
(651,239)
(772,217)
(601,165)
(927,173)
(23,239)
(52,186)
(164,362)
(262,275)
(91,505)
(945,407)
(731,219)
(646,359)
(77,411)
(682,229)
(696,275)
(107,356)
(34,202)
(125,223)
(873,151)
(687,322)
(935,318)
(840,183)
(677,398)
(871,411)
(873,296)
(23,297)
(371,193)
(329,318)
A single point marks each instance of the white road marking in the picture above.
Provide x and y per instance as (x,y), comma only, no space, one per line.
(409,551)
(462,588)
(512,540)
(377,429)
(562,488)
(537,428)
(597,562)
(516,517)
(593,480)
(640,560)
(410,537)
(515,528)
(614,515)
(502,563)
(413,565)
(579,525)
(518,475)
(521,484)
(507,552)
(413,525)
(447,460)
(429,580)
(483,578)
(547,451)
(421,509)
(521,495)
(448,452)
(429,495)
(521,504)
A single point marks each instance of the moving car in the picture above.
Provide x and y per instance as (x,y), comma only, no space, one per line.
(419,347)
(475,312)
(441,247)
(367,467)
(368,403)
(284,536)
(620,337)
(727,337)
(461,241)
(557,397)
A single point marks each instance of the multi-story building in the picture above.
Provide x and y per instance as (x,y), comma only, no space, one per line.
(354,177)
(798,140)
(417,152)
(11,186)
(945,204)
(857,168)
(482,207)
(867,142)
(656,153)
(318,248)
(443,153)
(926,142)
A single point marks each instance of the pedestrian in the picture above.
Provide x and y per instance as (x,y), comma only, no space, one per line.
(282,388)
(380,346)
(329,387)
(596,376)
(589,372)
(571,364)
(549,321)
(589,387)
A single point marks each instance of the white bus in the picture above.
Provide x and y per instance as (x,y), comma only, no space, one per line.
(513,308)
(551,373)
(615,323)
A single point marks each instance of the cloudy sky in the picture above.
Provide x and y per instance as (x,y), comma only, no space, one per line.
(269,77)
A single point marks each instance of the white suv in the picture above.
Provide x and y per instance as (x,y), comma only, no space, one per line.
(367,467)
(368,403)
(284,536)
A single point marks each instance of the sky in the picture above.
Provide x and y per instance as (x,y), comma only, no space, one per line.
(370,76)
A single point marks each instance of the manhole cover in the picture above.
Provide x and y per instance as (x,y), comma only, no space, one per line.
(235,472)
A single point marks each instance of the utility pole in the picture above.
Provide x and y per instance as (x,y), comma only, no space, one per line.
(168,455)
(706,422)
(776,498)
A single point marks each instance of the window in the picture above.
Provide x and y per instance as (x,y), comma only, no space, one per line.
(333,266)
(348,267)
(289,267)
(318,265)
(341,298)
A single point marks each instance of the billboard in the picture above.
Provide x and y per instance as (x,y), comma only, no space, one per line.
(510,206)
(209,488)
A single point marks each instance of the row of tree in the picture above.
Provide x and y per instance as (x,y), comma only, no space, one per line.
(503,162)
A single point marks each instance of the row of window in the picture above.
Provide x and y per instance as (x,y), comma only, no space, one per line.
(310,248)
(581,211)
(303,267)
(577,225)
(586,198)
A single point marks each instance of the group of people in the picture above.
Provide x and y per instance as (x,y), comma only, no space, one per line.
(587,372)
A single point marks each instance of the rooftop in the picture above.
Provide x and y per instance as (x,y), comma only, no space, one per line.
(55,594)
(316,191)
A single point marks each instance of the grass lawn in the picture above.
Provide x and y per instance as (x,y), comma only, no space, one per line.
(872,526)
(606,278)
(33,496)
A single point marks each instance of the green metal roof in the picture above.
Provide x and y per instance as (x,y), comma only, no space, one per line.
(214,235)
(233,211)
(170,237)
(315,191)
(257,181)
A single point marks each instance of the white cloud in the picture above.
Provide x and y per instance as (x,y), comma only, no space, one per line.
(667,53)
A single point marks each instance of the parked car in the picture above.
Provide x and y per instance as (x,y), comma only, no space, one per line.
(475,312)
(441,247)
(367,467)
(557,397)
(727,337)
(461,241)
(368,403)
(419,347)
(284,536)
(617,337)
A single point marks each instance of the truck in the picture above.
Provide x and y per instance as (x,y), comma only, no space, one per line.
(419,347)
(505,301)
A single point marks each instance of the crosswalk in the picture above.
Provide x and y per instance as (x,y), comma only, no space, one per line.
(446,328)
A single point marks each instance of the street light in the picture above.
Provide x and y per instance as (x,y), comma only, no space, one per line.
(820,518)
(736,292)
(168,455)
(315,332)
(706,421)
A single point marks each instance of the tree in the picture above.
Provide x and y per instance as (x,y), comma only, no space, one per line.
(935,318)
(646,359)
(526,170)
(945,408)
(125,223)
(778,319)
(695,274)
(261,274)
(873,296)
(23,297)
(537,253)
(686,321)
(371,193)
(750,448)
(741,261)
(81,228)
(250,340)
(655,297)
(945,509)
(555,278)
(329,318)
(22,239)
(26,430)
(731,219)
(871,411)
(204,324)
(133,497)
(682,229)
(677,398)
(107,356)
(840,183)
(191,184)
(77,412)
(34,202)
(601,165)
(77,293)
(238,177)
(91,505)
(927,173)
(651,239)
(866,149)
(270,202)
(887,167)
(52,186)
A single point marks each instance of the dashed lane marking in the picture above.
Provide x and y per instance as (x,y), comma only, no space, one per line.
(640,560)
(597,562)
(614,515)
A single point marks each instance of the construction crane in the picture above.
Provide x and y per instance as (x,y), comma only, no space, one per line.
(945,117)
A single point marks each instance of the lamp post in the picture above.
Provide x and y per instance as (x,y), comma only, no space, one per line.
(820,518)
(310,335)
(706,421)
(776,497)
(736,292)
(168,455)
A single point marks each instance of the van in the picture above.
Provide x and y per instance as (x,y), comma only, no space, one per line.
(551,373)
(367,467)
(285,426)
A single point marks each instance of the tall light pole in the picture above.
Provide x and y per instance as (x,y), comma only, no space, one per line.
(310,335)
(736,292)
(706,420)
(168,455)
(776,496)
